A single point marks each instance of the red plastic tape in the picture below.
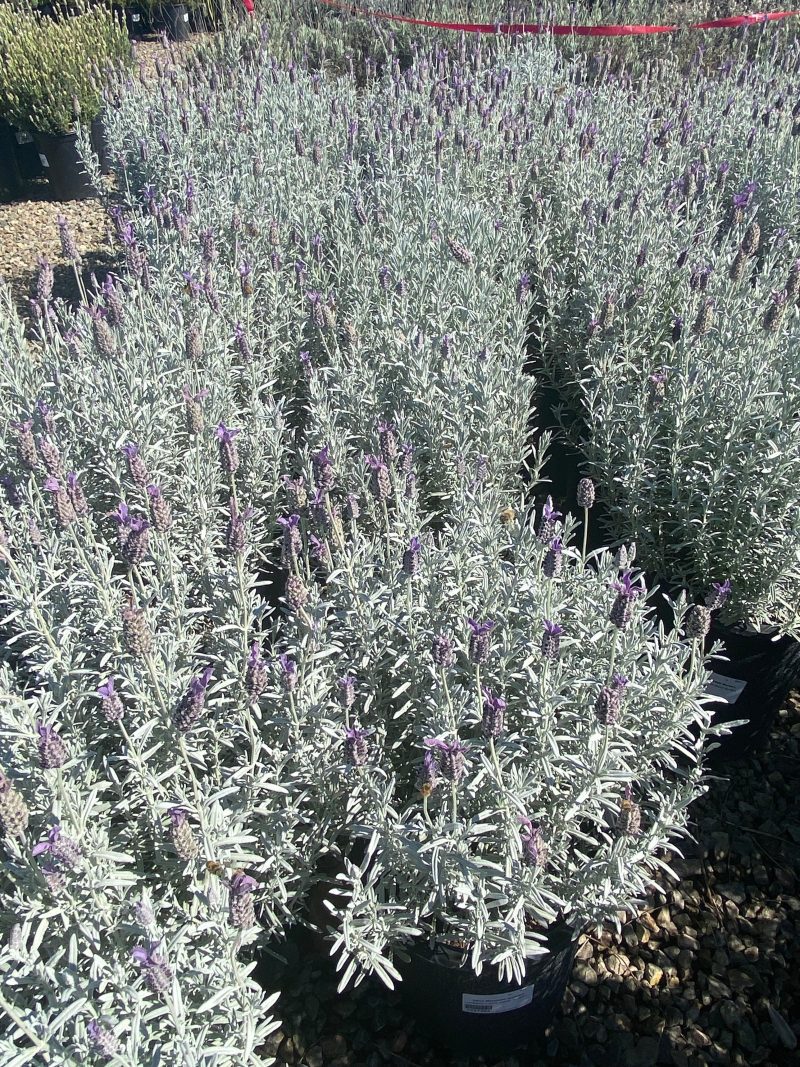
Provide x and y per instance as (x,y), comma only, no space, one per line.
(731,22)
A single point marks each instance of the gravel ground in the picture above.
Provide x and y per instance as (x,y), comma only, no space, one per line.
(705,974)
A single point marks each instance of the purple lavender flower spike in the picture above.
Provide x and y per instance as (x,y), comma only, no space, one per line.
(380,482)
(113,709)
(534,850)
(547,523)
(136,465)
(551,640)
(292,539)
(347,691)
(387,433)
(236,530)
(356,746)
(554,559)
(622,608)
(288,672)
(493,721)
(449,757)
(241,910)
(63,852)
(718,594)
(443,650)
(255,677)
(411,558)
(429,774)
(322,465)
(62,505)
(160,511)
(77,497)
(52,750)
(157,972)
(228,450)
(103,1041)
(193,701)
(479,640)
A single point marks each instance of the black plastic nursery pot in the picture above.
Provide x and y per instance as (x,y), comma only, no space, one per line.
(10,177)
(478,1015)
(176,21)
(28,160)
(138,21)
(752,682)
(751,679)
(63,165)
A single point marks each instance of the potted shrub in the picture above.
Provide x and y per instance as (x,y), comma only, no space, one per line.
(48,86)
(509,748)
(670,330)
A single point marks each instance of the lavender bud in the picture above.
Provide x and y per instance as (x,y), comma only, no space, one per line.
(182,835)
(160,511)
(551,640)
(356,746)
(479,640)
(44,281)
(192,344)
(697,622)
(241,909)
(388,442)
(228,449)
(157,972)
(103,1041)
(547,522)
(137,640)
(553,563)
(77,497)
(380,482)
(608,705)
(136,466)
(776,312)
(296,592)
(68,247)
(236,530)
(751,239)
(534,850)
(459,252)
(793,280)
(193,410)
(493,719)
(443,651)
(113,709)
(62,505)
(585,493)
(347,691)
(622,609)
(63,853)
(322,466)
(255,677)
(52,750)
(13,809)
(242,344)
(449,757)
(26,445)
(135,546)
(103,336)
(411,558)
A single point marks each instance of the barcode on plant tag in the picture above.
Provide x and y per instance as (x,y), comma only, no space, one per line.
(497,1003)
(724,688)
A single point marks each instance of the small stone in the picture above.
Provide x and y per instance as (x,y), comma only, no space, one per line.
(718,989)
(644,1053)
(585,950)
(586,974)
(653,974)
(617,963)
(314,1057)
(746,1036)
(333,1047)
(400,1042)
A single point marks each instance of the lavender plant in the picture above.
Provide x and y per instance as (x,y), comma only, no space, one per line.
(669,321)
(509,745)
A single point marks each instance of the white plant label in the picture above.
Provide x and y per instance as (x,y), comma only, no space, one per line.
(136,18)
(186,16)
(23,137)
(497,1003)
(44,160)
(724,688)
